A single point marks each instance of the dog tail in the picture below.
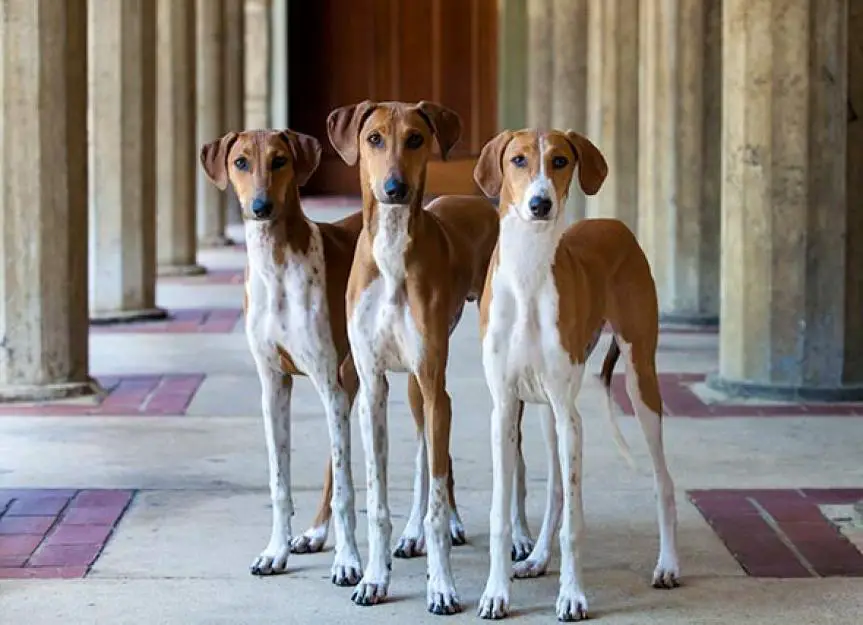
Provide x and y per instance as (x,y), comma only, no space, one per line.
(611,358)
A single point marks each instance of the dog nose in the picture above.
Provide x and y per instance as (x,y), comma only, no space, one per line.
(262,207)
(540,206)
(396,189)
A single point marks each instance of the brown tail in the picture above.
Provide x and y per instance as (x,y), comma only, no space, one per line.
(608,364)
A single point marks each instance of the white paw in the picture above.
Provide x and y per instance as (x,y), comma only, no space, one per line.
(311,541)
(346,570)
(571,606)
(533,566)
(410,546)
(494,603)
(456,530)
(522,545)
(273,560)
(370,592)
(667,574)
(441,596)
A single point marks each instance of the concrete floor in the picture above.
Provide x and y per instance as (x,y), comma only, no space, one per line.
(182,551)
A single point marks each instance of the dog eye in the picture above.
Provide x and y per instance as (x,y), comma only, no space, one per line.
(375,139)
(278,163)
(559,162)
(519,160)
(242,163)
(414,141)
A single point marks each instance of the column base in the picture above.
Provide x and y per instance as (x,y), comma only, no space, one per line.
(180,270)
(127,316)
(216,241)
(739,388)
(49,392)
(686,319)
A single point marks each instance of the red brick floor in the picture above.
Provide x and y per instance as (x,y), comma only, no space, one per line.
(186,320)
(56,533)
(680,401)
(127,395)
(782,533)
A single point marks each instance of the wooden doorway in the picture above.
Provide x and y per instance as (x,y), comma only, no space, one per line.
(344,51)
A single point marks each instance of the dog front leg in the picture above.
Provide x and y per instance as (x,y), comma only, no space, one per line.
(372,407)
(412,541)
(522,542)
(494,603)
(276,407)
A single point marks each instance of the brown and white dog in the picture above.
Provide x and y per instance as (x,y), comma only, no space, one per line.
(413,271)
(548,292)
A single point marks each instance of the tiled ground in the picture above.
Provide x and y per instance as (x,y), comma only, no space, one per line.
(205,320)
(213,276)
(56,533)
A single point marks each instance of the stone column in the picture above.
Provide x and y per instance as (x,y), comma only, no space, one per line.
(256,59)
(569,81)
(679,154)
(785,234)
(211,116)
(540,62)
(612,110)
(512,64)
(43,200)
(279,64)
(122,109)
(177,162)
(233,85)
(854,178)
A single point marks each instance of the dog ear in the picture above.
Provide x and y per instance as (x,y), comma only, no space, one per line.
(592,168)
(444,122)
(306,151)
(343,128)
(214,159)
(488,172)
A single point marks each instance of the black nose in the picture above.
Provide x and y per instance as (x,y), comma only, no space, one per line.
(396,189)
(540,206)
(262,207)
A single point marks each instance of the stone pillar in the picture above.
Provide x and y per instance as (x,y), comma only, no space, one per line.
(279,64)
(679,154)
(540,62)
(43,200)
(612,110)
(785,270)
(569,81)
(122,109)
(256,60)
(512,64)
(211,116)
(176,165)
(854,178)
(233,85)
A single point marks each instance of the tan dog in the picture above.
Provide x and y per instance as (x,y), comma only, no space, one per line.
(413,271)
(548,292)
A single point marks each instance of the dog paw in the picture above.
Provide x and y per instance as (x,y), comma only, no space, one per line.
(494,603)
(346,570)
(442,598)
(310,541)
(410,547)
(571,606)
(456,530)
(272,561)
(522,545)
(666,576)
(530,567)
(370,592)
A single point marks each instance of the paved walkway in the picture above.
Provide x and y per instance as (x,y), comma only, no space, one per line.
(149,507)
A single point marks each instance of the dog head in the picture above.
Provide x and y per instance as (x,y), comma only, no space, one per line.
(393,142)
(265,168)
(531,171)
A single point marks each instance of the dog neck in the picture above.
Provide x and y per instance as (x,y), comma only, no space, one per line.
(288,233)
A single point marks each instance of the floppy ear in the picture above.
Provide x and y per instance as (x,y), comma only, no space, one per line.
(592,168)
(488,172)
(444,122)
(343,128)
(306,151)
(214,159)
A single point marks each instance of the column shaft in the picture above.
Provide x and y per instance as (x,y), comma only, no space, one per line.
(233,85)
(43,200)
(540,62)
(256,60)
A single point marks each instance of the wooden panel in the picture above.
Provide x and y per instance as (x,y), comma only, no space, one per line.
(344,51)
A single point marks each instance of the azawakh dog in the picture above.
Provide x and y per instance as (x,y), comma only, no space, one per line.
(548,292)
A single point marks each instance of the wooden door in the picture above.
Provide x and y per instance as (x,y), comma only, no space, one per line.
(344,51)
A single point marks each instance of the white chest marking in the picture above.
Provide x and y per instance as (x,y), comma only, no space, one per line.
(382,331)
(288,303)
(522,348)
